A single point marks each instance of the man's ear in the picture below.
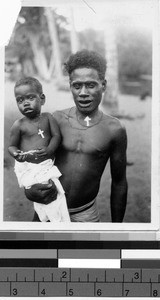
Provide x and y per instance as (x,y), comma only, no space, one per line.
(43,98)
(104,84)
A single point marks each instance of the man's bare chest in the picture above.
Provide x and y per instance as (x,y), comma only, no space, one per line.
(90,140)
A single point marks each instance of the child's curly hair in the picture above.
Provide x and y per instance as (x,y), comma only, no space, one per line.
(86,59)
(30,81)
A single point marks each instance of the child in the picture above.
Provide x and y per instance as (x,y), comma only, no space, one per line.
(34,140)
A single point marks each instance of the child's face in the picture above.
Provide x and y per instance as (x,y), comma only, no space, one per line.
(29,100)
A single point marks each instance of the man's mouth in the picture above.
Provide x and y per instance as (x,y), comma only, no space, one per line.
(84,103)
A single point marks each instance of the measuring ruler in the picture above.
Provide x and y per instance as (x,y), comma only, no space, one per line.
(73,282)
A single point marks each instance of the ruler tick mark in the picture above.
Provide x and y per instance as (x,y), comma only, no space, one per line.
(38,290)
(94,289)
(123,289)
(141,275)
(151,290)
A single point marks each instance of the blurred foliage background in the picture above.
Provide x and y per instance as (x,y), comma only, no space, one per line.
(43,39)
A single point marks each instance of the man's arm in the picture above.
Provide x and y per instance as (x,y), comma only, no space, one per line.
(118,174)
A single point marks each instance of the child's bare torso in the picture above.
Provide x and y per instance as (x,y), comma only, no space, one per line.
(34,133)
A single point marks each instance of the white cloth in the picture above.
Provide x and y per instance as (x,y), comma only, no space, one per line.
(85,213)
(29,174)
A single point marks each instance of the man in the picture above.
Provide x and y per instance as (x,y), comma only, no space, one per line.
(89,139)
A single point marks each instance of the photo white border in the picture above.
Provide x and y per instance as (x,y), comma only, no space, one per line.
(155,177)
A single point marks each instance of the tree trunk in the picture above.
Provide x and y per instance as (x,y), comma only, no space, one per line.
(55,44)
(110,100)
(40,59)
(74,40)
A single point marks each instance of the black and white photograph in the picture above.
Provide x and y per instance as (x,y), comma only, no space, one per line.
(81,116)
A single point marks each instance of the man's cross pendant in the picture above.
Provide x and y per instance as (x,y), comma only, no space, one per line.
(40,132)
(87,119)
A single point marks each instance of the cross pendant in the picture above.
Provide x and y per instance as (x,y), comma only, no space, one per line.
(40,132)
(87,119)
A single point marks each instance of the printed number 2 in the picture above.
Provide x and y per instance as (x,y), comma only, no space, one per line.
(64,274)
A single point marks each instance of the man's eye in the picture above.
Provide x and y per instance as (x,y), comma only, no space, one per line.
(76,86)
(91,85)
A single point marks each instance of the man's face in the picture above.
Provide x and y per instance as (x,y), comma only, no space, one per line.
(29,101)
(87,89)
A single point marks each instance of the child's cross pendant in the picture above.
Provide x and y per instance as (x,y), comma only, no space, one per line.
(40,132)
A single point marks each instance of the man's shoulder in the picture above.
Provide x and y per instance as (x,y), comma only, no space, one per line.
(60,115)
(114,125)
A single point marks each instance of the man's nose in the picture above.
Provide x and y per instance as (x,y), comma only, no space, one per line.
(83,91)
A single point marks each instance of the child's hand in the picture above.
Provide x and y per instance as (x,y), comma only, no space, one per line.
(29,156)
(19,156)
(42,152)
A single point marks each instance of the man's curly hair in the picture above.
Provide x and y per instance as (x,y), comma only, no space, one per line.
(30,81)
(86,59)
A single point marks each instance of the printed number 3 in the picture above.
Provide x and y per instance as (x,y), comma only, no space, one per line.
(15,292)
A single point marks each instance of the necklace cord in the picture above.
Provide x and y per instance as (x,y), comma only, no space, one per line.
(85,127)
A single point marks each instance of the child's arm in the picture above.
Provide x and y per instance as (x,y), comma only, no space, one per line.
(15,136)
(55,138)
(15,140)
